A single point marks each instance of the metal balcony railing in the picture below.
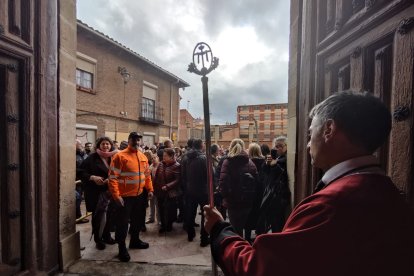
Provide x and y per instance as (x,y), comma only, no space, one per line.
(151,114)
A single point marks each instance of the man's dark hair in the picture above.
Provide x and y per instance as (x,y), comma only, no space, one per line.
(265,149)
(363,118)
(198,144)
(166,142)
(88,143)
(214,148)
(190,143)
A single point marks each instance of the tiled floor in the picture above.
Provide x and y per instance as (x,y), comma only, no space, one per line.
(169,248)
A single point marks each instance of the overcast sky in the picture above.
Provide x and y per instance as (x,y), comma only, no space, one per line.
(250,37)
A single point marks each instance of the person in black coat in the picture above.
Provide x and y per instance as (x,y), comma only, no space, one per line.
(194,185)
(276,196)
(237,185)
(94,173)
(255,154)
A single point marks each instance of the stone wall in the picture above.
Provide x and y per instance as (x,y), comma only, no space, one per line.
(68,237)
(293,88)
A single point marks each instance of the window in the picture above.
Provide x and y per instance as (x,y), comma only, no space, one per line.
(149,96)
(244,108)
(84,79)
(267,117)
(148,108)
(85,72)
(244,117)
(268,107)
(257,117)
(267,126)
(256,107)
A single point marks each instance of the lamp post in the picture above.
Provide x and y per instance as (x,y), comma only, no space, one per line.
(206,63)
(125,76)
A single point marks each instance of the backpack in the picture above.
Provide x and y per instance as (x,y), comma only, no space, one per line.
(247,187)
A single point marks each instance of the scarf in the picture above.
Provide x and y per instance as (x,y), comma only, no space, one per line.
(105,155)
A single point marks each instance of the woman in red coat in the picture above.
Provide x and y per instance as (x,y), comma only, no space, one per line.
(166,188)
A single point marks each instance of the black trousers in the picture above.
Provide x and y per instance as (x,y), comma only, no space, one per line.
(192,202)
(168,210)
(133,210)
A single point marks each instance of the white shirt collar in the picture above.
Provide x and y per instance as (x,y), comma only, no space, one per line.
(349,165)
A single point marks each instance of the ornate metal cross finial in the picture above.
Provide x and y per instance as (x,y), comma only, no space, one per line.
(206,62)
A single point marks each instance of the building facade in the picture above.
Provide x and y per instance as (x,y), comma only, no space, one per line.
(262,122)
(119,91)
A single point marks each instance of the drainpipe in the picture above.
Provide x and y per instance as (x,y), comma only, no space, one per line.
(171,88)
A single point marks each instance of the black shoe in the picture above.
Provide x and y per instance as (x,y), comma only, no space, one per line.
(138,244)
(143,228)
(196,224)
(100,245)
(109,240)
(204,242)
(190,236)
(168,228)
(149,221)
(123,255)
(162,230)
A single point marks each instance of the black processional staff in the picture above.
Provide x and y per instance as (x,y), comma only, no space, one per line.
(203,58)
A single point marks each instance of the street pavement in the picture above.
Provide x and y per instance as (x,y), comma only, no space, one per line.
(169,254)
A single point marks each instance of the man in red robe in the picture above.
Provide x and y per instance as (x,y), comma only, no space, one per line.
(355,223)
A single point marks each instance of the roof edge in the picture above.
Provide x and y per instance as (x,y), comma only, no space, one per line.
(179,82)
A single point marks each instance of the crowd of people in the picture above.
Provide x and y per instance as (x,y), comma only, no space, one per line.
(119,183)
(355,223)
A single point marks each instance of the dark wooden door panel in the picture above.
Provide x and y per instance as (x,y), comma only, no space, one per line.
(16,25)
(364,46)
(401,158)
(10,182)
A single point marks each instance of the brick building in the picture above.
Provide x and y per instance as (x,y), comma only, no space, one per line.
(189,127)
(119,91)
(265,120)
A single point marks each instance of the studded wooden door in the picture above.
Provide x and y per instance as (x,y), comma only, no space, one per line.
(10,180)
(364,46)
(28,127)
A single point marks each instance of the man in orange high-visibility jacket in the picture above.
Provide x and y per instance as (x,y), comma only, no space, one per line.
(128,176)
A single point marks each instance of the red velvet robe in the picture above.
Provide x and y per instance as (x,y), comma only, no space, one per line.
(357,225)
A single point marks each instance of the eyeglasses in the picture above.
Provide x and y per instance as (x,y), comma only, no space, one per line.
(280,146)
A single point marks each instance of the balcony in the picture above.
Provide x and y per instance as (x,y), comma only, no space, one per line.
(151,114)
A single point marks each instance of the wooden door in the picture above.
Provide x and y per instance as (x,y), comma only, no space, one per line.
(28,127)
(364,46)
(10,180)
